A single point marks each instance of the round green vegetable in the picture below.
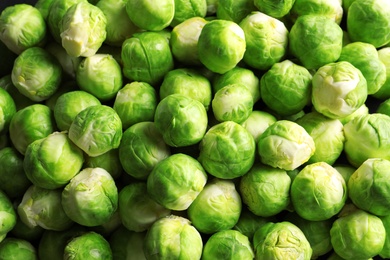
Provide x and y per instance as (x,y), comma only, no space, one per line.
(7,110)
(89,245)
(17,248)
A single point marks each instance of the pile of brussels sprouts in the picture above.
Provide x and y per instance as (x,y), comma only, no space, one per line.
(195,129)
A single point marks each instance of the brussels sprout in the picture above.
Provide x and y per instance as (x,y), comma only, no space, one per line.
(7,110)
(346,170)
(368,186)
(233,102)
(173,237)
(36,74)
(67,86)
(91,197)
(384,107)
(318,192)
(150,15)
(188,82)
(126,244)
(266,40)
(146,57)
(235,11)
(108,227)
(265,190)
(358,235)
(119,26)
(276,9)
(238,75)
(69,104)
(369,21)
(181,120)
(16,248)
(96,130)
(51,162)
(385,252)
(21,27)
(384,91)
(339,89)
(29,124)
(218,207)
(286,88)
(362,110)
(329,8)
(227,150)
(43,7)
(257,122)
(83,29)
(141,148)
(364,57)
(135,102)
(285,145)
(8,215)
(248,223)
(228,244)
(315,40)
(328,136)
(176,181)
(137,209)
(221,45)
(281,240)
(186,9)
(109,161)
(42,207)
(184,40)
(367,137)
(90,245)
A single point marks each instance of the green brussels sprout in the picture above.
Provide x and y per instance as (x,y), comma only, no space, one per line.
(368,186)
(384,91)
(89,245)
(281,240)
(21,27)
(136,102)
(8,215)
(364,57)
(384,107)
(138,211)
(43,7)
(126,244)
(16,248)
(13,180)
(7,110)
(217,207)
(181,120)
(266,40)
(385,252)
(188,82)
(173,237)
(221,45)
(233,10)
(186,9)
(357,235)
(228,244)
(51,162)
(285,145)
(119,26)
(36,74)
(265,190)
(29,124)
(346,170)
(315,40)
(277,9)
(227,150)
(257,122)
(329,8)
(150,15)
(57,11)
(338,89)
(42,207)
(328,136)
(141,148)
(234,102)
(286,88)
(67,86)
(91,197)
(69,104)
(83,29)
(367,137)
(316,232)
(109,161)
(184,40)
(248,223)
(96,130)
(68,63)
(362,110)
(238,75)
(100,75)
(318,192)
(176,181)
(146,57)
(369,21)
